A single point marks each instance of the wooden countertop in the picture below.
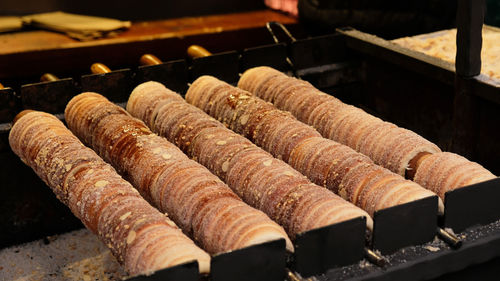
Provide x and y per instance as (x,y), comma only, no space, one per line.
(30,52)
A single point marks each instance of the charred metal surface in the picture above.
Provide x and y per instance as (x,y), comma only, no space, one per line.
(264,262)
(339,244)
(405,225)
(172,74)
(10,105)
(50,96)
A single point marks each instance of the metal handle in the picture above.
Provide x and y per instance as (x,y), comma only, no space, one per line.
(449,238)
(292,276)
(48,77)
(149,59)
(197,51)
(375,258)
(99,68)
(269,25)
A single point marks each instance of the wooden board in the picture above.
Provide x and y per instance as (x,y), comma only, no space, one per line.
(31,53)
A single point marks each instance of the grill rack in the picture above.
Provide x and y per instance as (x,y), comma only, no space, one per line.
(325,68)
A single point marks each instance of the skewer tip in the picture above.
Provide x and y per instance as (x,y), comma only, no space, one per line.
(99,68)
(149,59)
(450,238)
(292,276)
(48,77)
(196,51)
(375,258)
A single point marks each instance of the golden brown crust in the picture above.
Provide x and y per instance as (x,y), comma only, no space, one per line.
(445,171)
(164,175)
(342,170)
(261,180)
(95,193)
(337,121)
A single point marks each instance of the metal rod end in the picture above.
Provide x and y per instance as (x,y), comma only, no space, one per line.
(149,59)
(99,68)
(375,258)
(48,77)
(197,51)
(292,276)
(450,238)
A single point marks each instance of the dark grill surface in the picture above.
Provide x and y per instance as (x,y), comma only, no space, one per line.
(354,67)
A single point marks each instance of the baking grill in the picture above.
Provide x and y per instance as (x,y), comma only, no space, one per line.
(360,69)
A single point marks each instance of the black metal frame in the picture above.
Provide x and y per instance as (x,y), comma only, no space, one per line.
(112,85)
(331,57)
(224,66)
(472,205)
(51,96)
(267,55)
(173,74)
(321,249)
(425,262)
(10,104)
(404,225)
(264,261)
(187,271)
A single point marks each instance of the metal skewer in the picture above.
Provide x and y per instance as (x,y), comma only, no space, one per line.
(375,258)
(293,276)
(48,77)
(197,51)
(449,238)
(99,68)
(149,59)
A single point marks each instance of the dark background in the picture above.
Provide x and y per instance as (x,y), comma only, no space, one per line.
(151,9)
(130,9)
(396,18)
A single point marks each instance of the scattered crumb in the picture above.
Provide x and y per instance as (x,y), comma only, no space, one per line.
(225,166)
(268,163)
(449,230)
(131,237)
(244,119)
(436,239)
(124,216)
(76,255)
(364,263)
(101,183)
(431,248)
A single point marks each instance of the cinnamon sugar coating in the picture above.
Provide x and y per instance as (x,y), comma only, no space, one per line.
(107,205)
(445,171)
(335,120)
(257,177)
(325,162)
(191,195)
